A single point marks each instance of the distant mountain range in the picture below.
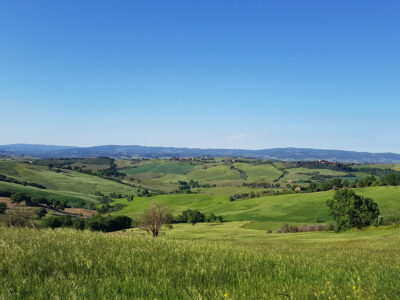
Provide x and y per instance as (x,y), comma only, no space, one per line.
(117,151)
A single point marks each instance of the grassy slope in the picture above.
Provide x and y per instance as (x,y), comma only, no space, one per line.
(259,172)
(71,197)
(217,173)
(71,181)
(160,167)
(292,208)
(67,264)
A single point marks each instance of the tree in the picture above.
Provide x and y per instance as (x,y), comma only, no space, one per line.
(351,210)
(19,197)
(3,207)
(191,216)
(154,218)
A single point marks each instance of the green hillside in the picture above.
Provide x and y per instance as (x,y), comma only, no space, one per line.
(292,208)
(160,167)
(216,173)
(73,198)
(66,180)
(264,172)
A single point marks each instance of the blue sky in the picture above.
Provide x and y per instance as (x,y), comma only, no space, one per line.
(231,74)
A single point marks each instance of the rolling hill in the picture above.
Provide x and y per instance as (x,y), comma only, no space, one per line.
(134,151)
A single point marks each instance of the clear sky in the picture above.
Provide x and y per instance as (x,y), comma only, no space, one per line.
(231,74)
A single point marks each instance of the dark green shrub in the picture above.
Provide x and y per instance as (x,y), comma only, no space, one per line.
(41,212)
(351,210)
(52,222)
(3,207)
(109,223)
(19,197)
(78,223)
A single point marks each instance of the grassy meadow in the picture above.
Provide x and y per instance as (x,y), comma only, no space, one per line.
(236,259)
(68,264)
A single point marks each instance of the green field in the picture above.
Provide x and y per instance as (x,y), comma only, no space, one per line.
(293,208)
(264,172)
(208,260)
(72,197)
(216,173)
(66,180)
(193,263)
(160,168)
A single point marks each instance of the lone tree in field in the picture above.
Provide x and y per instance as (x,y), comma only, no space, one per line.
(154,218)
(351,210)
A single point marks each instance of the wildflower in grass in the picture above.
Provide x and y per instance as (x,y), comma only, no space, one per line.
(359,291)
(328,283)
(315,294)
(354,287)
(322,292)
(226,295)
(358,278)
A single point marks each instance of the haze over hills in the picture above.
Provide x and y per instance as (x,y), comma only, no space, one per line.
(136,151)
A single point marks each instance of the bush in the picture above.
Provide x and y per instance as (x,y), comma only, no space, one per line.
(3,207)
(19,197)
(301,228)
(351,210)
(78,224)
(106,208)
(38,200)
(41,212)
(109,223)
(191,216)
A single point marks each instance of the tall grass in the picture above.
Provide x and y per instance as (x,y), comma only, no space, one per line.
(68,264)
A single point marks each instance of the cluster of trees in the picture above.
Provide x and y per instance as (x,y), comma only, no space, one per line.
(286,228)
(261,184)
(380,172)
(185,187)
(242,174)
(144,193)
(193,216)
(39,200)
(24,183)
(321,164)
(351,210)
(235,197)
(326,185)
(95,223)
(260,194)
(106,208)
(337,183)
(105,173)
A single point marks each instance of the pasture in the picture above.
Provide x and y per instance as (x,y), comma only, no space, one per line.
(220,263)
